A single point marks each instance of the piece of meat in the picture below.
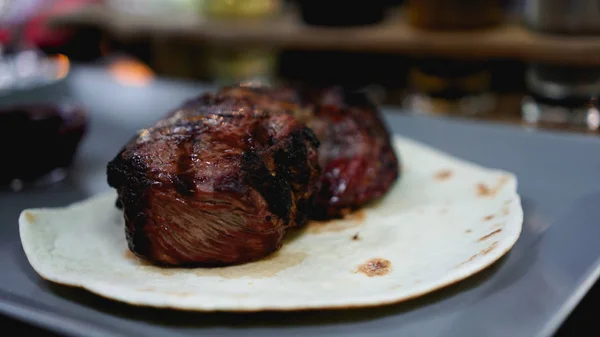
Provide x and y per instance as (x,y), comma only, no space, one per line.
(358,160)
(213,190)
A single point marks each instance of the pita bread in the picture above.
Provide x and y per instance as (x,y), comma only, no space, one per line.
(444,220)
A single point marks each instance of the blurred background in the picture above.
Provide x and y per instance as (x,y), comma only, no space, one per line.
(533,62)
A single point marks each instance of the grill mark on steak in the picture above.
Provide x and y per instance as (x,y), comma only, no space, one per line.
(184,179)
(359,163)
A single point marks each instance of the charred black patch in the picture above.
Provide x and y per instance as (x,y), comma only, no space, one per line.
(291,159)
(128,177)
(274,188)
(290,156)
(184,179)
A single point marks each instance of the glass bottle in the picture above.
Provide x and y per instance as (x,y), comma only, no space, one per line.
(562,94)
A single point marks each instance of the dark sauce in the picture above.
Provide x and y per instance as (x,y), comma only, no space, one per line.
(38,139)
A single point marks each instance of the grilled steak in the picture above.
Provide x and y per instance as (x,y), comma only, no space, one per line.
(359,163)
(358,160)
(214,190)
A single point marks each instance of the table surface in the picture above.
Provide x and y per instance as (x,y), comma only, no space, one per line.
(579,319)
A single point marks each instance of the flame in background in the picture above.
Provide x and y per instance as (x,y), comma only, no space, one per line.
(131,73)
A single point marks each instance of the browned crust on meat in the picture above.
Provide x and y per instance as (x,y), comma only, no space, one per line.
(218,190)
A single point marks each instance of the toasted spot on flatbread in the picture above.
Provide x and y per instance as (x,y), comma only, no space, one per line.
(30,217)
(490,248)
(443,175)
(470,259)
(468,231)
(481,253)
(488,218)
(375,267)
(484,190)
(355,237)
(487,236)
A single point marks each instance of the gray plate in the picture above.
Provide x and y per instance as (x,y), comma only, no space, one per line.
(527,293)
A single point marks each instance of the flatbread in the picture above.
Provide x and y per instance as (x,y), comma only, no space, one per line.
(444,220)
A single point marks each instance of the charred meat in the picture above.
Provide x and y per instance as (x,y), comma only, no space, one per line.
(215,189)
(356,154)
(358,160)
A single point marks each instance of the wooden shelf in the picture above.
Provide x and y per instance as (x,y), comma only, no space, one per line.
(509,41)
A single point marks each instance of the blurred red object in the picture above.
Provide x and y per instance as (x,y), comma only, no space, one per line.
(36,32)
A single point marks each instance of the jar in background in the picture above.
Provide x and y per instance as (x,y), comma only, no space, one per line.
(229,65)
(562,95)
(39,142)
(233,64)
(563,17)
(455,14)
(450,87)
(41,126)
